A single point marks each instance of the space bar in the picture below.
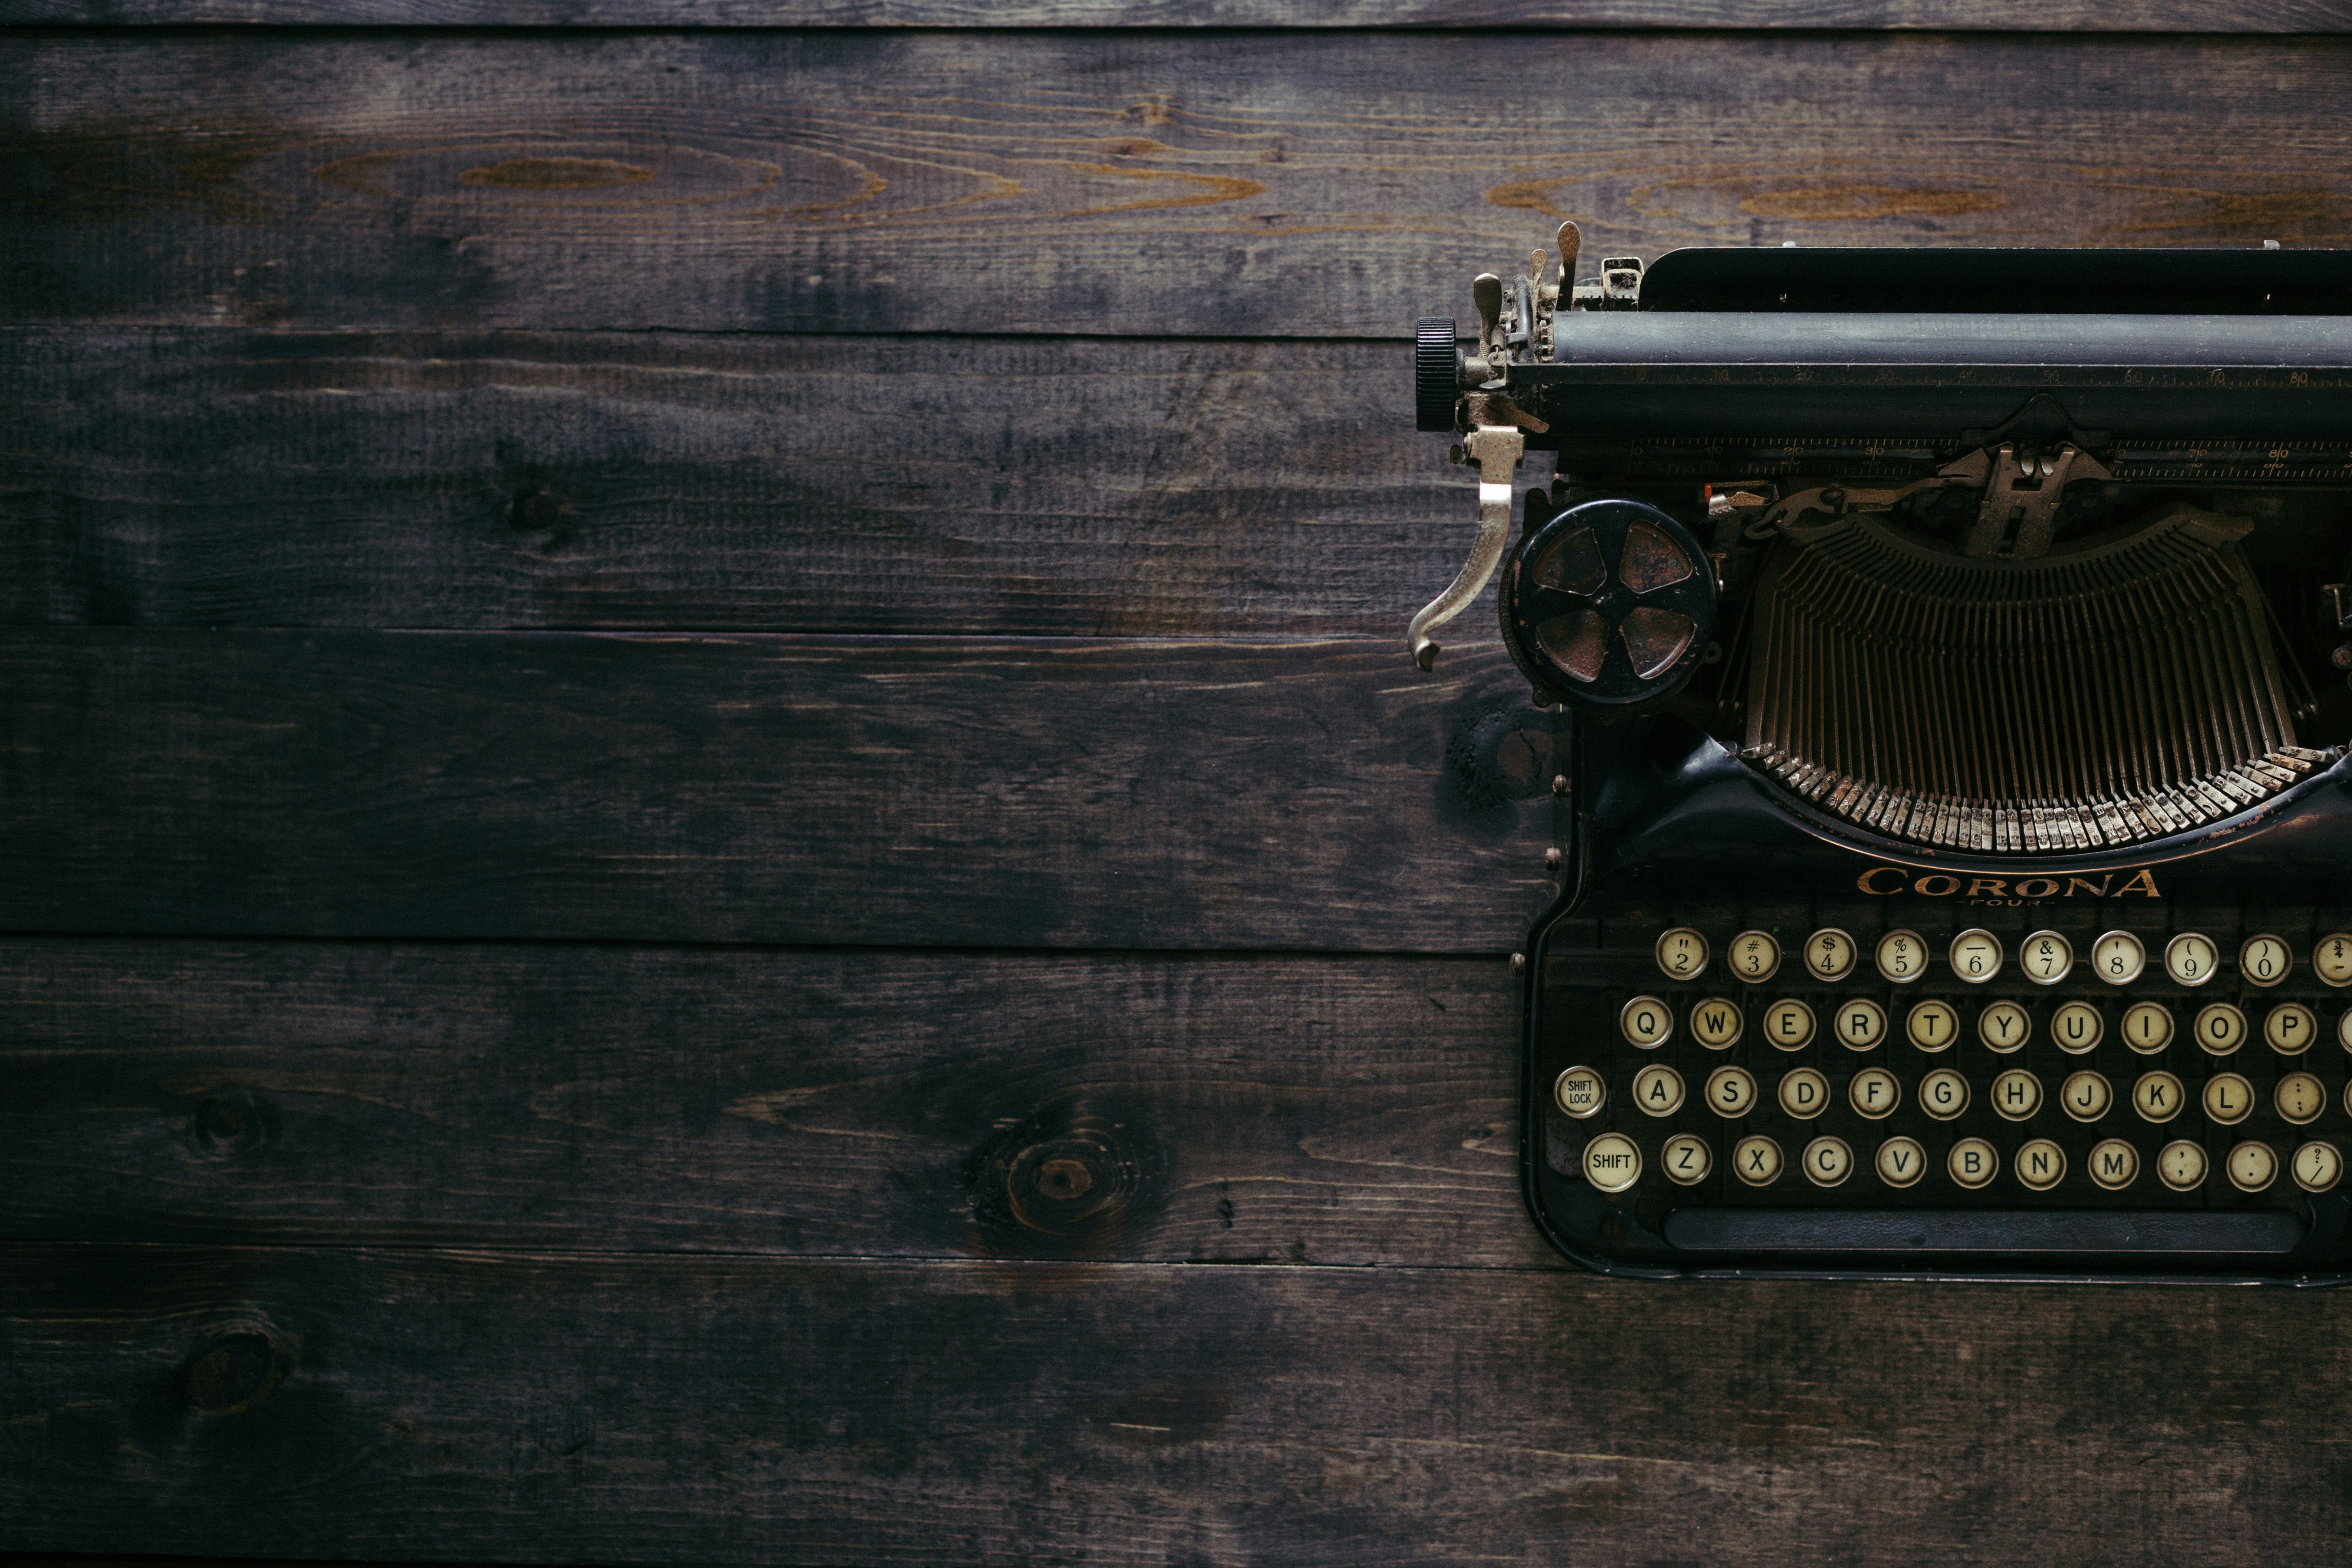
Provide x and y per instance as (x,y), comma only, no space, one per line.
(1961,1230)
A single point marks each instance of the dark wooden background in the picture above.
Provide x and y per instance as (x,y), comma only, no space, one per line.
(715,846)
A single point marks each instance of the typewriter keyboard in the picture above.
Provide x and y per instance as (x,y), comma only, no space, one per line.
(2003,1066)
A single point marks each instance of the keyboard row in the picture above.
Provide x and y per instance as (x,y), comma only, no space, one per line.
(1976,956)
(1874,1093)
(1614,1162)
(1859,1024)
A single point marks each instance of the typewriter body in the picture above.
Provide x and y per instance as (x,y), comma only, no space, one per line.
(1957,846)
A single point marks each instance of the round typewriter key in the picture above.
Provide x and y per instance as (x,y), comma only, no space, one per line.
(2191,958)
(1715,1022)
(1932,1026)
(2084,1096)
(1828,1162)
(2333,961)
(2220,1028)
(2263,961)
(1613,1163)
(1788,1023)
(2299,1098)
(1647,1022)
(2316,1167)
(2042,1164)
(1658,1089)
(1976,956)
(2228,1098)
(1901,1162)
(1943,1094)
(2004,1027)
(1730,1091)
(1902,956)
(2016,1094)
(1580,1093)
(1861,1024)
(2147,1026)
(2046,957)
(2114,1164)
(1757,1161)
(2252,1167)
(1681,953)
(2117,958)
(1972,1162)
(1874,1093)
(1685,1159)
(2344,1031)
(2290,1028)
(1754,956)
(2158,1097)
(1804,1093)
(1828,953)
(2076,1028)
(2181,1166)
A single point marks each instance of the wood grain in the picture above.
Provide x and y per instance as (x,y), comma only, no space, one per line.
(1086,792)
(236,477)
(1153,183)
(696,1409)
(1358,1109)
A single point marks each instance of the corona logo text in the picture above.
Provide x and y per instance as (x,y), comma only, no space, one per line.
(1886,881)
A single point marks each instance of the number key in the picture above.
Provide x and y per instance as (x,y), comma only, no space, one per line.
(2046,957)
(1681,953)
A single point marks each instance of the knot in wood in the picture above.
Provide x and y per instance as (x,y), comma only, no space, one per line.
(1066,1182)
(233,1372)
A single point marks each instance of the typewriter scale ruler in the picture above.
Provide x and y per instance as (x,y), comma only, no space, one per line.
(1777,455)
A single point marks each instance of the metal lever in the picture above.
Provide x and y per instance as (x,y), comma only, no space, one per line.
(1496,449)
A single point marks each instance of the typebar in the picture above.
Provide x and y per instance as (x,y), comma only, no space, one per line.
(1960,1230)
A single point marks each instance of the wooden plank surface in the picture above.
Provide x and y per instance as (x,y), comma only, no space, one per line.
(1080,793)
(1154,183)
(1359,1109)
(700,1409)
(1081,488)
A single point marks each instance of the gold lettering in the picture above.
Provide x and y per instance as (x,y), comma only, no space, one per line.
(1995,887)
(2143,882)
(1951,885)
(1862,881)
(2038,888)
(2085,883)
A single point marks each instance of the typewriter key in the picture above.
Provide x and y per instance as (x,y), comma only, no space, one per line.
(2344,1031)
(2147,1026)
(2016,1094)
(1874,1093)
(1829,954)
(1757,1161)
(2158,1097)
(1804,1093)
(2084,1096)
(2317,1167)
(2117,958)
(1861,1024)
(1943,1094)
(2181,1166)
(2191,958)
(2004,1027)
(1730,1091)
(1754,956)
(1658,1089)
(1828,1162)
(1932,1026)
(2299,1098)
(2220,1028)
(1901,1162)
(2046,957)
(2290,1028)
(1788,1023)
(2114,1164)
(1902,956)
(2264,960)
(1972,1162)
(2252,1167)
(2333,960)
(1976,956)
(1685,1159)
(1613,1163)
(2042,1164)
(1715,1024)
(1647,1022)
(2076,1028)
(1580,1093)
(1681,953)
(2228,1098)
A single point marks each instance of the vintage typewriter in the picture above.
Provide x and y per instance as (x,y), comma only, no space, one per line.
(1955,842)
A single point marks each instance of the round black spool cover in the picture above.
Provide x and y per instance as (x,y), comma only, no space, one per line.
(1614,601)
(1436,375)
